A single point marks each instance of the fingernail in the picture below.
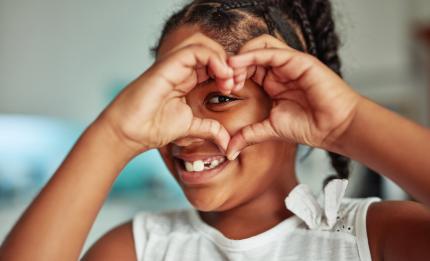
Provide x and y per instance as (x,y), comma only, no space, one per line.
(230,71)
(241,85)
(230,83)
(233,156)
(221,148)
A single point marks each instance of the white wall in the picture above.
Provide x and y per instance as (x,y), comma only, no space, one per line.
(374,35)
(62,58)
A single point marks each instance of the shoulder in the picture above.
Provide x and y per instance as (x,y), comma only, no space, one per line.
(117,244)
(128,241)
(398,230)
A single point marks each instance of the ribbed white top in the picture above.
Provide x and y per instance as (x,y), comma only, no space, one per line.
(183,235)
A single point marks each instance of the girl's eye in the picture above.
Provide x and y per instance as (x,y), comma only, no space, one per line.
(218,99)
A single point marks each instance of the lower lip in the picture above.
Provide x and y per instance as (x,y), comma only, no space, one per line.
(199,177)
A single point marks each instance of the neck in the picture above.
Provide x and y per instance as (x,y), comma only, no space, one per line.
(256,215)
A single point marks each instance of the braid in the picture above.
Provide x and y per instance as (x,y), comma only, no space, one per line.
(321,19)
(300,16)
(229,5)
(316,21)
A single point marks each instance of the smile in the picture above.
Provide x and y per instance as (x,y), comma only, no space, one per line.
(200,165)
(199,171)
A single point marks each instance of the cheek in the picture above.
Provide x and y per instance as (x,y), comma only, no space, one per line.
(247,112)
(168,160)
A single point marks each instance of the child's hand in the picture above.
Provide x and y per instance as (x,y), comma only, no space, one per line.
(152,111)
(311,104)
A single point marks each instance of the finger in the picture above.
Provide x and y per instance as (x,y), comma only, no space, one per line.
(209,129)
(240,71)
(288,65)
(203,74)
(201,39)
(241,75)
(178,67)
(249,135)
(238,86)
(204,56)
(187,141)
(224,85)
(259,75)
(263,41)
(240,78)
(273,86)
(239,81)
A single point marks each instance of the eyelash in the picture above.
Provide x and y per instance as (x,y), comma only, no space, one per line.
(228,99)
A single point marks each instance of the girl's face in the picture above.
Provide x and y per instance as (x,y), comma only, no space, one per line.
(261,170)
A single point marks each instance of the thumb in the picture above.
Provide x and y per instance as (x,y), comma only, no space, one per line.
(209,129)
(249,135)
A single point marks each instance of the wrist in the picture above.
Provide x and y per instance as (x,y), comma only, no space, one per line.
(338,140)
(114,138)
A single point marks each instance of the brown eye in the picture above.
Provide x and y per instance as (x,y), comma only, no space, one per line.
(218,99)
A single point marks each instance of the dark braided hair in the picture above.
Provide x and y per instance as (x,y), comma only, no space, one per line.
(316,21)
(234,22)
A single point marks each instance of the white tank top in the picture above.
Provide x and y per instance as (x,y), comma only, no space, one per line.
(308,235)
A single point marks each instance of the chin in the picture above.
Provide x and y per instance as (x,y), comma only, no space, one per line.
(208,198)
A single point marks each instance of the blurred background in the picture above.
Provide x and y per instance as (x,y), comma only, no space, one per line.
(62,62)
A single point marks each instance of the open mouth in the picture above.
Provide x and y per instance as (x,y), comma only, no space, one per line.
(201,165)
(200,170)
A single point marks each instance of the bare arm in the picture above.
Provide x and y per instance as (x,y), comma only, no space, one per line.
(398,230)
(391,145)
(58,221)
(117,244)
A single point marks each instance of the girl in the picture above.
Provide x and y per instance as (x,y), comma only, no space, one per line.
(235,87)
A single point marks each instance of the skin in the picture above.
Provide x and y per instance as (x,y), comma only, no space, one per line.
(302,111)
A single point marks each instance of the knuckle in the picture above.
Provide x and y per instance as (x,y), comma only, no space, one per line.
(307,57)
(193,47)
(215,127)
(197,46)
(204,127)
(248,132)
(197,35)
(265,36)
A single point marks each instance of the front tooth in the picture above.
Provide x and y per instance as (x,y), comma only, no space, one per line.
(198,165)
(189,166)
(214,163)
